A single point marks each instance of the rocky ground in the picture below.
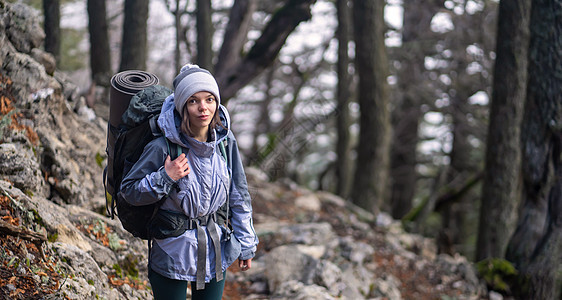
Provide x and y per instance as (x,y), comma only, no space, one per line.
(57,243)
(311,247)
(317,246)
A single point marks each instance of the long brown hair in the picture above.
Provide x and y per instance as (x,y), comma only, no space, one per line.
(186,126)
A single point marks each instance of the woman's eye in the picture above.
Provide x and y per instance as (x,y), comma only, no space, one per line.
(210,100)
(191,101)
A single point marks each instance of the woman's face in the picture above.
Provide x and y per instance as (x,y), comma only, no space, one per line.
(201,108)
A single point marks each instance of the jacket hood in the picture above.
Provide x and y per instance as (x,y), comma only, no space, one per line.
(170,120)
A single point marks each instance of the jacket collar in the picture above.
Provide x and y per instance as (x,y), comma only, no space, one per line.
(203,149)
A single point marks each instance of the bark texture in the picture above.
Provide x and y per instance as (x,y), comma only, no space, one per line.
(100,57)
(372,163)
(51,25)
(537,242)
(134,44)
(343,94)
(407,113)
(204,35)
(500,189)
(236,33)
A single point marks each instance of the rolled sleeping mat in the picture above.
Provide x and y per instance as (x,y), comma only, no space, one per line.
(124,85)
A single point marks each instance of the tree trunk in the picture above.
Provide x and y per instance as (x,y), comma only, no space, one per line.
(264,121)
(453,214)
(204,35)
(100,58)
(406,116)
(51,25)
(134,45)
(500,189)
(343,94)
(536,245)
(177,51)
(456,217)
(372,163)
(265,49)
(235,35)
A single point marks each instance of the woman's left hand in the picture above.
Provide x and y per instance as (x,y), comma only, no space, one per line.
(245,264)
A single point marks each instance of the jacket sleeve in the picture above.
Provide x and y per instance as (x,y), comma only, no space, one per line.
(241,203)
(147,181)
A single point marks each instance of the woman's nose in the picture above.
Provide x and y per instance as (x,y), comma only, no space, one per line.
(203,106)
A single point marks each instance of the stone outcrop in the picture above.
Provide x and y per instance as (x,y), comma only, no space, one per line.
(64,164)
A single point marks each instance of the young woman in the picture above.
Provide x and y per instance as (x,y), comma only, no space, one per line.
(195,185)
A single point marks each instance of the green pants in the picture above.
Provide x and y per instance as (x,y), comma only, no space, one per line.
(169,289)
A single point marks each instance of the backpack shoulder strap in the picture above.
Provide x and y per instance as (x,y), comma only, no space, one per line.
(156,131)
(222,148)
(174,151)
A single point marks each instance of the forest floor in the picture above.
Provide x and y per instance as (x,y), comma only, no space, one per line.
(23,260)
(426,284)
(28,270)
(17,253)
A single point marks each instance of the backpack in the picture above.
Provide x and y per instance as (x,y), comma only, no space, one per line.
(138,128)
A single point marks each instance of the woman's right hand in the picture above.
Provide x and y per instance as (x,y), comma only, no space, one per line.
(177,168)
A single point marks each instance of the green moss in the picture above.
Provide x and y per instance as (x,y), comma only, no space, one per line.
(131,266)
(52,237)
(99,159)
(498,273)
(37,218)
(114,241)
(6,120)
(90,282)
(127,268)
(12,261)
(99,227)
(118,270)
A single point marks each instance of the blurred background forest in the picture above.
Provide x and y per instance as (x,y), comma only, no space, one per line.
(446,114)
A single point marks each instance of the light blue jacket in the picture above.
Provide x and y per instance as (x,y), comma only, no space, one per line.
(200,193)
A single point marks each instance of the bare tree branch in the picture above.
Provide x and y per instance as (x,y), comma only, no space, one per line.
(235,35)
(9,229)
(265,49)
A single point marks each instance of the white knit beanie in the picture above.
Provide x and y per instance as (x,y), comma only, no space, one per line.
(193,79)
